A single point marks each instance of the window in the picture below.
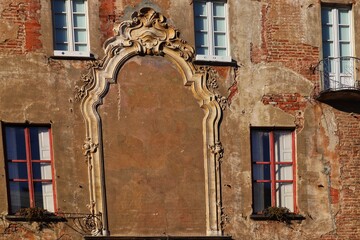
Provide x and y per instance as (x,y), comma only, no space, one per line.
(273,169)
(337,47)
(71,35)
(211,34)
(29,167)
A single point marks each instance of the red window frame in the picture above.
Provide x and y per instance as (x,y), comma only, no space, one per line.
(30,179)
(272,163)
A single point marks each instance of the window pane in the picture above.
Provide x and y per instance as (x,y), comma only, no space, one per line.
(327,32)
(40,143)
(61,35)
(262,196)
(344,49)
(219,9)
(80,35)
(260,146)
(344,33)
(326,16)
(261,171)
(220,39)
(344,16)
(283,146)
(284,172)
(202,51)
(201,39)
(328,49)
(17,170)
(61,46)
(346,66)
(42,171)
(81,47)
(284,195)
(59,6)
(199,8)
(60,20)
(329,65)
(220,52)
(15,143)
(201,24)
(78,6)
(79,20)
(44,198)
(19,196)
(219,24)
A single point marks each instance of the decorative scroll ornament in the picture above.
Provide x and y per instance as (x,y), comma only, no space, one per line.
(218,150)
(150,32)
(85,224)
(88,148)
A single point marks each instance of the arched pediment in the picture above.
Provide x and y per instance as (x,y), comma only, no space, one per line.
(147,33)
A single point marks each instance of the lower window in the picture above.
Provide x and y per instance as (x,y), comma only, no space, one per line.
(273,169)
(29,167)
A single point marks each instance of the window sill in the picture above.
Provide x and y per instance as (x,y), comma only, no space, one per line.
(15,218)
(69,57)
(216,63)
(291,217)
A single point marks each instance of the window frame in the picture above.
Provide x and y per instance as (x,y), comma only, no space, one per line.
(211,32)
(336,75)
(71,52)
(29,161)
(272,163)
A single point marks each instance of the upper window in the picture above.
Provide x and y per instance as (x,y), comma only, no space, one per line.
(71,32)
(211,31)
(29,167)
(337,47)
(273,169)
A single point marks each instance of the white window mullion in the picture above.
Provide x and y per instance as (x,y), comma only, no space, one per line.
(71,25)
(210,27)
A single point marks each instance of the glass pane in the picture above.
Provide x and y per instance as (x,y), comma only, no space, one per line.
(19,196)
(328,49)
(284,172)
(78,6)
(15,143)
(220,39)
(81,47)
(283,146)
(219,24)
(60,20)
(79,21)
(346,66)
(201,24)
(344,33)
(329,65)
(59,6)
(219,9)
(261,171)
(284,196)
(202,51)
(80,35)
(260,146)
(220,52)
(61,46)
(61,35)
(262,196)
(201,39)
(344,16)
(326,16)
(40,143)
(327,32)
(41,171)
(17,170)
(199,8)
(344,49)
(43,193)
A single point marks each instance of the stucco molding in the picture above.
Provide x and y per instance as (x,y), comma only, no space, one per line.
(149,34)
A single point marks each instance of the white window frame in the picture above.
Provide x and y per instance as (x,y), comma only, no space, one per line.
(70,33)
(337,80)
(211,56)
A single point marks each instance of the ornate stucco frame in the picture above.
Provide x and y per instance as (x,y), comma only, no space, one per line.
(149,34)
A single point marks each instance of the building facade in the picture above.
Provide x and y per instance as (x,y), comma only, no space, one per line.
(198,119)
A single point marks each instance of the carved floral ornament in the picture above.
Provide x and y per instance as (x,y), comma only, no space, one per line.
(147,33)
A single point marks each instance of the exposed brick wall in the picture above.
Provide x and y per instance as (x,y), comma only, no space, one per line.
(32,26)
(288,102)
(107,18)
(281,36)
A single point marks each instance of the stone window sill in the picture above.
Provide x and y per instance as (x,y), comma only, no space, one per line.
(261,217)
(15,218)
